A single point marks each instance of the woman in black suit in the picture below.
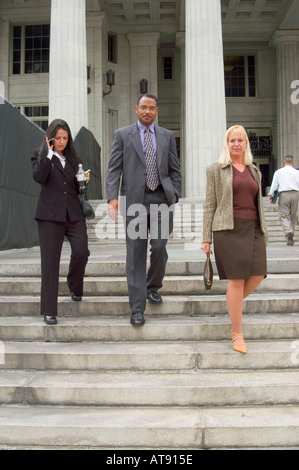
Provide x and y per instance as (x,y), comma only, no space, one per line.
(59,213)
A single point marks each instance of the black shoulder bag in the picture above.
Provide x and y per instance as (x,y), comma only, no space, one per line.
(86,207)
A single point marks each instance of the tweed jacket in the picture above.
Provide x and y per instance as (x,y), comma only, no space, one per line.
(218,210)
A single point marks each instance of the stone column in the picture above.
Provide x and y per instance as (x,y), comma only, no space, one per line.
(68,68)
(143,65)
(4,56)
(96,34)
(180,41)
(2,92)
(287,51)
(205,93)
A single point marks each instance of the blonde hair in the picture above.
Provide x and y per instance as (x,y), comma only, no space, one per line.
(225,155)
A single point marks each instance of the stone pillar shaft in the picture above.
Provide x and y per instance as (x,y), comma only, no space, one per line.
(180,41)
(143,65)
(287,51)
(205,94)
(68,68)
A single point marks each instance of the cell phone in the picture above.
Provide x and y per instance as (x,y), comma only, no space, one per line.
(52,142)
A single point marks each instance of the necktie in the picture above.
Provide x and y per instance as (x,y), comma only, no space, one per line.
(152,175)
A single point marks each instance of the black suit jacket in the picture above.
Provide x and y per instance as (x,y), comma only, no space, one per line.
(59,190)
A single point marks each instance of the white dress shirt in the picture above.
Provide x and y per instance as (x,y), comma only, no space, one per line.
(61,159)
(285,179)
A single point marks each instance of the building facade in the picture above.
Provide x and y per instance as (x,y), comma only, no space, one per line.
(212,63)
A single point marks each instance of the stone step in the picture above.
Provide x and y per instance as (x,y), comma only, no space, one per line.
(150,356)
(191,224)
(169,328)
(187,223)
(279,238)
(274,237)
(192,265)
(117,285)
(187,227)
(273,220)
(172,305)
(186,218)
(180,235)
(196,388)
(93,381)
(155,428)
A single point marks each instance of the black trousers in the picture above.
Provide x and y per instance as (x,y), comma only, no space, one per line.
(153,219)
(51,236)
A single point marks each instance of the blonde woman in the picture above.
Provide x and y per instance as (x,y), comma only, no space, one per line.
(234,221)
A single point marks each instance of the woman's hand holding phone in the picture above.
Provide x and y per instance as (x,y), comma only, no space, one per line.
(50,143)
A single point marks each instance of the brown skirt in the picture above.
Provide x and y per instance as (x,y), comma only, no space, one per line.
(241,252)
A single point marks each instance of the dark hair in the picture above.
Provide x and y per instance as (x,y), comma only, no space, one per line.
(289,159)
(148,95)
(69,151)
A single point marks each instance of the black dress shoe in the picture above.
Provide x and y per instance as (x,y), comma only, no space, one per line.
(50,320)
(154,297)
(76,298)
(290,240)
(137,319)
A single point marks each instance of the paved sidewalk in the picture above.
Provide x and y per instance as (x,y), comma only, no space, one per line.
(117,252)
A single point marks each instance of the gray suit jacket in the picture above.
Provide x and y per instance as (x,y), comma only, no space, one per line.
(126,169)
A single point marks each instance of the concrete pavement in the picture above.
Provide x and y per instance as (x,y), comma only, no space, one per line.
(117,252)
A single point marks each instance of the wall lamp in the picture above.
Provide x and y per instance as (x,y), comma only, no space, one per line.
(143,86)
(110,81)
(88,78)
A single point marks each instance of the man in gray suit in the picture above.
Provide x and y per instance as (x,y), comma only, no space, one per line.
(144,166)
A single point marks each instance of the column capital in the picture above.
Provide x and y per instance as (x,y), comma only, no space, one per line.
(95,19)
(143,39)
(284,36)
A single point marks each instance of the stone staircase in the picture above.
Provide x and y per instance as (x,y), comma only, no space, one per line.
(94,382)
(276,233)
(187,223)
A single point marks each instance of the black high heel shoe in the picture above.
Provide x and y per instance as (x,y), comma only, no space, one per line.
(50,320)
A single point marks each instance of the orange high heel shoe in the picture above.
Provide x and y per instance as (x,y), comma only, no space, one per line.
(240,348)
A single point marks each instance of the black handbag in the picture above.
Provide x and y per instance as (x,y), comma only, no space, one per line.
(86,208)
(208,273)
(275,196)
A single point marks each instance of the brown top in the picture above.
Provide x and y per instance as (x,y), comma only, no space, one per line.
(245,190)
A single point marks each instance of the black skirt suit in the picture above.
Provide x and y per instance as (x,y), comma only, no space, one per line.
(59,214)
